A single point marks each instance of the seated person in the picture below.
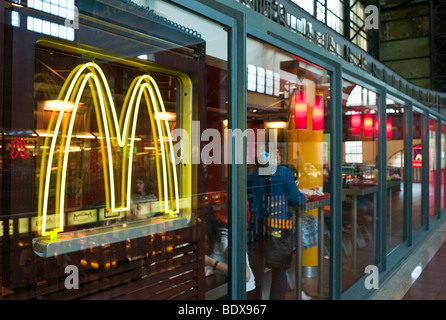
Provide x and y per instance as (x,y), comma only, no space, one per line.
(217,258)
(143,201)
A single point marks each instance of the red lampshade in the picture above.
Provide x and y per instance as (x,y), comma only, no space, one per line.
(318,113)
(300,110)
(355,121)
(376,128)
(368,125)
(389,128)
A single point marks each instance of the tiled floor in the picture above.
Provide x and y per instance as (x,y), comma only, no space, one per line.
(423,275)
(431,284)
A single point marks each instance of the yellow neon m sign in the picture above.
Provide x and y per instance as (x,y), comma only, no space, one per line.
(116,132)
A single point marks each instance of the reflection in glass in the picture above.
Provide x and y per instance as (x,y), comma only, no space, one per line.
(360,180)
(443,166)
(100,171)
(432,168)
(395,173)
(417,169)
(290,106)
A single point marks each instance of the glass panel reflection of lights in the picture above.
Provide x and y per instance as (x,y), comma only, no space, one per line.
(416,272)
(60,8)
(360,180)
(417,169)
(50,28)
(15,19)
(297,117)
(395,128)
(432,168)
(443,166)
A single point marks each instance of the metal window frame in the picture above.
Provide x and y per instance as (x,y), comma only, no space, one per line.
(235,23)
(243,22)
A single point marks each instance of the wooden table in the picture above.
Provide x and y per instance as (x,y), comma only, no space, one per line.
(216,286)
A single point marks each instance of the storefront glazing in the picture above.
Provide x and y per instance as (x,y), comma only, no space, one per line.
(149,89)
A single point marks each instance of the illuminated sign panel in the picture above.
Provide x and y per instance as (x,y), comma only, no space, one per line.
(116,134)
(417,156)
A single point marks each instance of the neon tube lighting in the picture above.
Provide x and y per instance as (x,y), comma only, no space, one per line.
(95,77)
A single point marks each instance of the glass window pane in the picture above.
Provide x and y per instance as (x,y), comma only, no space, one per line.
(395,128)
(443,166)
(101,164)
(294,129)
(432,168)
(417,169)
(360,180)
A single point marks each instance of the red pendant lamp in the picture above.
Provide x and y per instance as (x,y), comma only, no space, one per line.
(318,113)
(368,125)
(300,110)
(389,127)
(355,121)
(376,128)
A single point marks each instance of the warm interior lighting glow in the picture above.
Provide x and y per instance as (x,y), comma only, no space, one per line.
(389,128)
(376,128)
(85,136)
(300,109)
(57,105)
(276,124)
(355,121)
(368,125)
(169,116)
(318,113)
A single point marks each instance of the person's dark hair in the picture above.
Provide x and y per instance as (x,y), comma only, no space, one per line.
(213,224)
(145,181)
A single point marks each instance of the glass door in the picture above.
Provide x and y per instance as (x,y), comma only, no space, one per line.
(395,128)
(360,180)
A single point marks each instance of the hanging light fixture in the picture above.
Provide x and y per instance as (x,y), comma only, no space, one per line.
(389,127)
(300,109)
(318,112)
(368,125)
(355,121)
(376,128)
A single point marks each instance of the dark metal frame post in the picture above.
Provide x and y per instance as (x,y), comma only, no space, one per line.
(235,21)
(438,171)
(380,236)
(298,234)
(408,175)
(237,184)
(425,173)
(336,187)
